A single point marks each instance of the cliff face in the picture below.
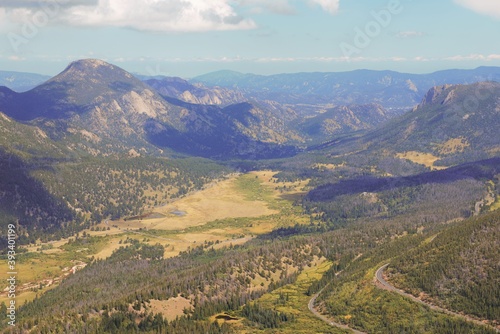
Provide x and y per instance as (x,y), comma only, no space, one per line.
(197,94)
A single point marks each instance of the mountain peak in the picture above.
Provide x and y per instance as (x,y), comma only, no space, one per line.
(447,94)
(93,69)
(432,95)
(82,86)
(85,81)
(89,62)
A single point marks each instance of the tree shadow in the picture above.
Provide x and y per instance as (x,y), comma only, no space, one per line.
(485,169)
(50,101)
(26,199)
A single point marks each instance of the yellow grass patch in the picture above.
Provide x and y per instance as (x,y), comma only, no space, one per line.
(36,269)
(110,247)
(37,275)
(171,308)
(227,212)
(425,159)
(222,200)
(55,245)
(23,297)
(281,190)
(322,167)
(494,150)
(297,303)
(495,205)
(454,145)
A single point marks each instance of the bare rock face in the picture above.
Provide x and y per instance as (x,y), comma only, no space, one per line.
(456,122)
(411,86)
(195,93)
(433,94)
(101,109)
(344,119)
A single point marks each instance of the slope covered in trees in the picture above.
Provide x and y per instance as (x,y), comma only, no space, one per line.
(458,268)
(110,296)
(56,200)
(428,197)
(213,280)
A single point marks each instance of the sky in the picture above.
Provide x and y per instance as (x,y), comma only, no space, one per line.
(187,38)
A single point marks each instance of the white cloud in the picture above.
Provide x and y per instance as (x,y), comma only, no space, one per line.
(330,6)
(420,58)
(148,15)
(38,3)
(480,57)
(486,7)
(16,58)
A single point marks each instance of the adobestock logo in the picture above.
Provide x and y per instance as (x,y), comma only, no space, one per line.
(482,92)
(156,71)
(31,26)
(363,37)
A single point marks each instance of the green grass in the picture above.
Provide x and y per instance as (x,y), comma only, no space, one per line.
(358,303)
(250,186)
(48,264)
(297,304)
(85,246)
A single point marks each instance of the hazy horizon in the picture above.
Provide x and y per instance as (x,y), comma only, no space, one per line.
(52,74)
(191,38)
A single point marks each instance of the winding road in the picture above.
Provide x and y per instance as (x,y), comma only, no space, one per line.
(324,318)
(382,283)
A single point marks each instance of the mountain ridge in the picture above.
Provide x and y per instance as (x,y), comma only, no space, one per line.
(453,123)
(102,109)
(197,94)
(390,88)
(21,81)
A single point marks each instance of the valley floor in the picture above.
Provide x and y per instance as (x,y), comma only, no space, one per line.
(227,212)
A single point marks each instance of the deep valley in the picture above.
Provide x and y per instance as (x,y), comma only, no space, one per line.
(238,203)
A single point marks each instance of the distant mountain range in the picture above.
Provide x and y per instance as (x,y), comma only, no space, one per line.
(95,109)
(345,119)
(388,88)
(198,94)
(98,108)
(454,123)
(21,82)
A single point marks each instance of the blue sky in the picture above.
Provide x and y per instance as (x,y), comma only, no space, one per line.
(192,37)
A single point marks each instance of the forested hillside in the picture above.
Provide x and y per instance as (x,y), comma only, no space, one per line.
(429,197)
(67,197)
(352,298)
(99,175)
(458,268)
(212,280)
(113,188)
